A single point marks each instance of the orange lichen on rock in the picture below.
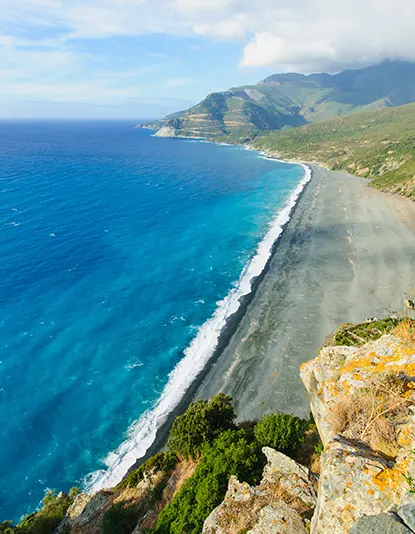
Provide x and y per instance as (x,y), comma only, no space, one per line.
(390,481)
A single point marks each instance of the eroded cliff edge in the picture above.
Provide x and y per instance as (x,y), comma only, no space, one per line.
(362,394)
(362,398)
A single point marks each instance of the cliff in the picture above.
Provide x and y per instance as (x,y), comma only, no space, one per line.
(362,399)
(274,476)
(293,100)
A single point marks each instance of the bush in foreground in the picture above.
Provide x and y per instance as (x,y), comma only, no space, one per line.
(280,431)
(120,518)
(235,452)
(46,520)
(201,423)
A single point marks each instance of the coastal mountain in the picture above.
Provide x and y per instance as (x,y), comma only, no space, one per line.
(293,100)
(379,145)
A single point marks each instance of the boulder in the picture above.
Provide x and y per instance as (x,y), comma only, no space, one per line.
(281,503)
(361,476)
(380,524)
(278,519)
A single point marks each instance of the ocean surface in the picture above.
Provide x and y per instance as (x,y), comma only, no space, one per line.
(122,255)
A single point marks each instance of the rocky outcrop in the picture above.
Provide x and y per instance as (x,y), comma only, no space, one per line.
(283,502)
(362,399)
(85,515)
(166,131)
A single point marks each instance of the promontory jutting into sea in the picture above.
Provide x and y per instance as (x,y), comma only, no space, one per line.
(207,316)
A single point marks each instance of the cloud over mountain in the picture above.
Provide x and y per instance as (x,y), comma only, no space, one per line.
(57,38)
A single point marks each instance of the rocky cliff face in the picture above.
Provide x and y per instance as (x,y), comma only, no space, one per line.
(362,399)
(283,502)
(363,403)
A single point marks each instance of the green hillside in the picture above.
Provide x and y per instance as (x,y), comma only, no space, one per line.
(295,99)
(379,145)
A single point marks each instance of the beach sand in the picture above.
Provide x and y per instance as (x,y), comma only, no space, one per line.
(348,253)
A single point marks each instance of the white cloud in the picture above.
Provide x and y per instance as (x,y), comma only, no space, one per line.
(267,49)
(224,29)
(324,35)
(302,34)
(45,44)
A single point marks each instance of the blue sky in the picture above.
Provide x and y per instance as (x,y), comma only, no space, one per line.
(145,58)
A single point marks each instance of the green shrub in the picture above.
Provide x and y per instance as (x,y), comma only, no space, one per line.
(281,431)
(319,448)
(119,519)
(162,461)
(50,515)
(235,452)
(6,527)
(202,422)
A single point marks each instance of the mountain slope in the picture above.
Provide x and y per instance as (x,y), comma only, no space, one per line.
(295,99)
(379,145)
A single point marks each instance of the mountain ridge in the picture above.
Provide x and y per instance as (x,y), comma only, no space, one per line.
(291,100)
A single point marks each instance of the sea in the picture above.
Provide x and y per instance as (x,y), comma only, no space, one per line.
(122,257)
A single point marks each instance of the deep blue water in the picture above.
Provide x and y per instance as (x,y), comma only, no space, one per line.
(115,248)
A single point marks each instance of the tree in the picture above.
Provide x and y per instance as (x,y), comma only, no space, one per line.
(281,431)
(235,452)
(201,423)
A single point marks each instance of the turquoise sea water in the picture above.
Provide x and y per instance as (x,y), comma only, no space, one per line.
(121,257)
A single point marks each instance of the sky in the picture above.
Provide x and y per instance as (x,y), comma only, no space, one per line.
(142,59)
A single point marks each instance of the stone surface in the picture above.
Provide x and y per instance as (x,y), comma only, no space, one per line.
(407,514)
(346,488)
(355,480)
(84,515)
(342,371)
(278,519)
(282,464)
(380,524)
(281,502)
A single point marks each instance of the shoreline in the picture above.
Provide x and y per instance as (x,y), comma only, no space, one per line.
(222,367)
(346,255)
(153,427)
(226,335)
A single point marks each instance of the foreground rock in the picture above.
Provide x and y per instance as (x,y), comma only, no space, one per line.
(363,404)
(283,502)
(85,515)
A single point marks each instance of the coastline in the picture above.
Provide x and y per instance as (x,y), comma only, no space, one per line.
(153,427)
(233,366)
(346,255)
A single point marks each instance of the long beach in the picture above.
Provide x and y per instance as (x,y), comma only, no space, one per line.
(348,253)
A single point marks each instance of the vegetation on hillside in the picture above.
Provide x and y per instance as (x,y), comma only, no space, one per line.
(379,145)
(235,452)
(46,520)
(205,434)
(200,424)
(293,99)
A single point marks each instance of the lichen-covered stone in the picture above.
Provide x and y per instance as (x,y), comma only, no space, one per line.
(346,489)
(277,462)
(278,519)
(340,371)
(355,479)
(279,504)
